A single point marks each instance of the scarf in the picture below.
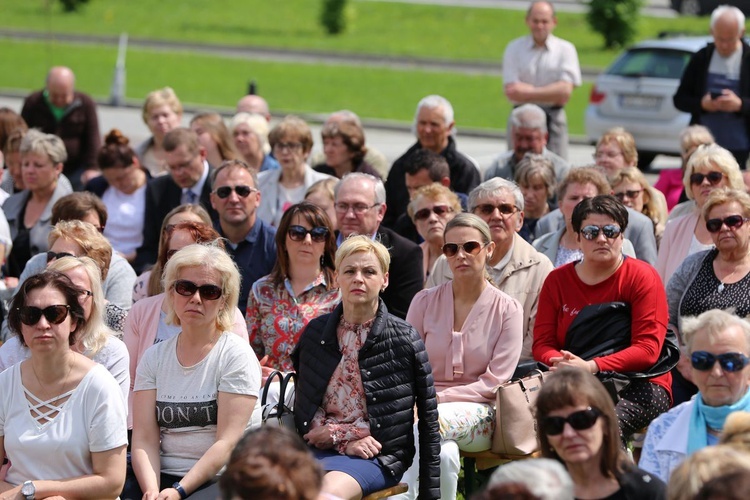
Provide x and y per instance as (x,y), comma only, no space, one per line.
(705,416)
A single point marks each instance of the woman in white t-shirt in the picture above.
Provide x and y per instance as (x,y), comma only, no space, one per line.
(62,416)
(194,393)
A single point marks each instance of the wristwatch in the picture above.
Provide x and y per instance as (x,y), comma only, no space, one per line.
(180,490)
(28,490)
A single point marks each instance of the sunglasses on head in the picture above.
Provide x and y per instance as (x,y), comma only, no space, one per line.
(732,222)
(438,210)
(628,194)
(317,234)
(713,178)
(242,191)
(488,208)
(729,361)
(31,315)
(188,288)
(592,232)
(578,420)
(57,255)
(470,248)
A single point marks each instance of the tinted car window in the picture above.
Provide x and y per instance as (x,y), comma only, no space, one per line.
(654,63)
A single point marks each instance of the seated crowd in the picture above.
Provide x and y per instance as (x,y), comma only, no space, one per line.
(147,310)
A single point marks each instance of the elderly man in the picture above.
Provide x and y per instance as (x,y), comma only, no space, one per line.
(434,125)
(188,182)
(250,241)
(254,104)
(715,86)
(71,115)
(360,207)
(528,127)
(542,69)
(515,266)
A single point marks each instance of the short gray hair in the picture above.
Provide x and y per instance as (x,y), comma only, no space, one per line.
(529,116)
(712,322)
(728,9)
(544,477)
(48,145)
(493,187)
(432,102)
(377,185)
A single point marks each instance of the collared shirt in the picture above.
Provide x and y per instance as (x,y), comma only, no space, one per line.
(196,190)
(504,165)
(340,237)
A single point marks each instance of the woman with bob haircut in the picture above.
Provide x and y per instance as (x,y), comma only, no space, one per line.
(214,136)
(535,175)
(713,462)
(162,112)
(300,287)
(196,392)
(361,374)
(323,194)
(630,186)
(577,426)
(344,149)
(250,134)
(62,416)
(615,150)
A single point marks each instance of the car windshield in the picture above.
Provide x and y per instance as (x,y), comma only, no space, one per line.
(654,63)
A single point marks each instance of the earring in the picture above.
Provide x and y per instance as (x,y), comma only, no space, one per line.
(322,262)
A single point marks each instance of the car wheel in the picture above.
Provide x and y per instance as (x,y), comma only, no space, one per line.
(644,160)
(690,8)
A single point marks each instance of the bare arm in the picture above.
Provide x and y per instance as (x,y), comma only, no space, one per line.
(145,449)
(556,93)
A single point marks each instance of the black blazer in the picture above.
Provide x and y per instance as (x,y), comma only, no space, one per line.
(406,277)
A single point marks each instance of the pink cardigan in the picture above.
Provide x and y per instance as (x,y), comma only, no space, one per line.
(469,364)
(140,332)
(675,244)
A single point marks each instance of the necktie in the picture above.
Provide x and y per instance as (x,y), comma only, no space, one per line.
(190,197)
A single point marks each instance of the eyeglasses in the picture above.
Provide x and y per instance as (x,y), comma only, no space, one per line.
(729,361)
(57,255)
(489,209)
(288,146)
(31,315)
(606,154)
(578,420)
(732,222)
(242,191)
(357,208)
(438,210)
(470,248)
(628,194)
(592,232)
(299,233)
(188,288)
(713,178)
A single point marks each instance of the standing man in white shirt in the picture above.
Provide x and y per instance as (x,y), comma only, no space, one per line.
(542,69)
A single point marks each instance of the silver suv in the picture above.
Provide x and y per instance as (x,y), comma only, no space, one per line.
(636,92)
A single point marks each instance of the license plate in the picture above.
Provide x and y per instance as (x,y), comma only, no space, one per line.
(640,102)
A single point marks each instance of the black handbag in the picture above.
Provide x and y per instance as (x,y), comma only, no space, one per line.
(278,414)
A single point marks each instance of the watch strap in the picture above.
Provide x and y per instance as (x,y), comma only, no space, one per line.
(180,490)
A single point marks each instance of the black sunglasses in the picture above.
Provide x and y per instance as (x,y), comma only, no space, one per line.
(578,420)
(298,233)
(470,248)
(438,210)
(732,222)
(31,315)
(629,194)
(488,208)
(242,191)
(592,232)
(713,178)
(729,361)
(57,255)
(188,288)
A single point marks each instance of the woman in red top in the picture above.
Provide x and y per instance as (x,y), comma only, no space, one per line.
(605,275)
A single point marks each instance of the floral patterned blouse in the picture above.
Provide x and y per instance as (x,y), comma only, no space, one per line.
(344,407)
(276,317)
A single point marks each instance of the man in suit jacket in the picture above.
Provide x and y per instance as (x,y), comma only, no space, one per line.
(360,207)
(189,181)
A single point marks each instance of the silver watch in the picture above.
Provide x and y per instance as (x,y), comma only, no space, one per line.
(28,490)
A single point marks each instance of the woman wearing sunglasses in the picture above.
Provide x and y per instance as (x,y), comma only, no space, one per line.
(630,186)
(430,208)
(709,167)
(194,393)
(607,298)
(718,346)
(473,333)
(578,426)
(300,287)
(62,416)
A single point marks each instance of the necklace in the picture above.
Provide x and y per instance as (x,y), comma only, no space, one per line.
(64,384)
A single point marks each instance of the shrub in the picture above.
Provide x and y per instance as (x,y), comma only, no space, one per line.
(333,16)
(72,5)
(615,20)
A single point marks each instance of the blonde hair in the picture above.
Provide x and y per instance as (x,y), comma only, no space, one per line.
(433,192)
(161,97)
(727,195)
(86,236)
(655,208)
(257,124)
(325,186)
(694,136)
(703,465)
(360,243)
(713,156)
(624,140)
(49,145)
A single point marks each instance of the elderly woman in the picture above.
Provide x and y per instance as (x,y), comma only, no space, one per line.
(362,372)
(615,150)
(473,333)
(215,138)
(29,212)
(630,186)
(291,141)
(344,149)
(535,175)
(711,466)
(710,167)
(250,133)
(194,393)
(162,112)
(578,299)
(322,194)
(122,188)
(578,426)
(718,345)
(62,416)
(430,208)
(300,287)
